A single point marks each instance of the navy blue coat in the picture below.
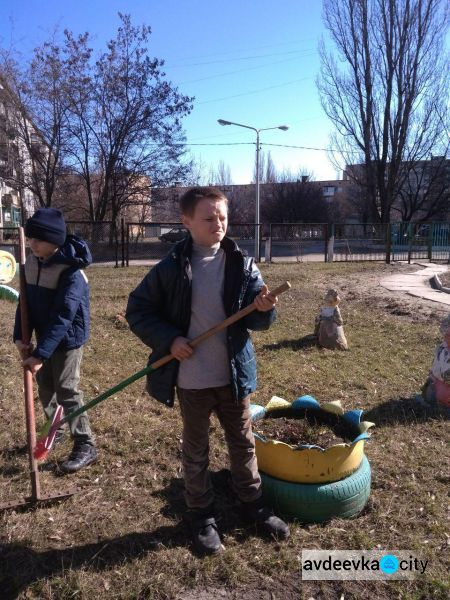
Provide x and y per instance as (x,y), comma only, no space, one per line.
(57,293)
(159,310)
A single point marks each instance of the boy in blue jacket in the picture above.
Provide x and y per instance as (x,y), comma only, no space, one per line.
(203,280)
(57,294)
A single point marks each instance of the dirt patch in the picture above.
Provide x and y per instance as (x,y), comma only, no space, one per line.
(298,432)
(306,427)
(365,287)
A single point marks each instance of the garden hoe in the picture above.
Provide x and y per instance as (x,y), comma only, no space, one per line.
(45,443)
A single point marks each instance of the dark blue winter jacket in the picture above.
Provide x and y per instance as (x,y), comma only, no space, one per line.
(57,294)
(159,310)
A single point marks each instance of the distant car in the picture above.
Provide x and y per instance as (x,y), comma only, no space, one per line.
(174,235)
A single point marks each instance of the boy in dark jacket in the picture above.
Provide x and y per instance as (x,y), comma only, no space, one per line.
(203,280)
(57,294)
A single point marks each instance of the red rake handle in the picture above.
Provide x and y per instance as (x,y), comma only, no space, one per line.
(27,376)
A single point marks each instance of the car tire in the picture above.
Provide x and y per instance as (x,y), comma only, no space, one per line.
(317,503)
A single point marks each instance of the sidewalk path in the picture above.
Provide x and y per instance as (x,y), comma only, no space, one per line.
(418,283)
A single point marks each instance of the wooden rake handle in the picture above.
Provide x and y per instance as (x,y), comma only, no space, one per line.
(223,324)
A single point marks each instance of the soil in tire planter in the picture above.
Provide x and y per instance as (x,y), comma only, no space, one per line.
(311,429)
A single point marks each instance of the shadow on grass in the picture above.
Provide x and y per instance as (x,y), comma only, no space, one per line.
(306,341)
(10,455)
(403,411)
(14,451)
(21,566)
(226,503)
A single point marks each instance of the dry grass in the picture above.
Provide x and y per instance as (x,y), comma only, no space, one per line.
(122,535)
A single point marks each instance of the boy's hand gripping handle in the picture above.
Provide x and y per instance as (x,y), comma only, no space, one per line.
(223,324)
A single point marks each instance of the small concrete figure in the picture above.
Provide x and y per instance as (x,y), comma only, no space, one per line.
(328,327)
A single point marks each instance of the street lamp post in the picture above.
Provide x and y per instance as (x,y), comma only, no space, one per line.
(257,211)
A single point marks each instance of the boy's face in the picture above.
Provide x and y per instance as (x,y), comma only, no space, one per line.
(41,249)
(208,224)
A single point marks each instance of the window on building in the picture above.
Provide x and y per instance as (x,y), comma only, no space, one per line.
(328,190)
(16,215)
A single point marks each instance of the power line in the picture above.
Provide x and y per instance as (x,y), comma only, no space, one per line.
(228,60)
(225,52)
(265,65)
(255,91)
(219,144)
(253,144)
(299,147)
(268,144)
(311,148)
(246,144)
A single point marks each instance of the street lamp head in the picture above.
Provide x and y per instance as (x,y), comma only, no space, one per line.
(283,127)
(223,122)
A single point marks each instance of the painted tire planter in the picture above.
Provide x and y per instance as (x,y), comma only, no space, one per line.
(316,503)
(305,463)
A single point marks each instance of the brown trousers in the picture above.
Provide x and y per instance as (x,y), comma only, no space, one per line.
(196,409)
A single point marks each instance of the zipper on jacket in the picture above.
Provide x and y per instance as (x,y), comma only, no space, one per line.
(39,271)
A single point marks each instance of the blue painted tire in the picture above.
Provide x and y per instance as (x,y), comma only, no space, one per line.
(316,503)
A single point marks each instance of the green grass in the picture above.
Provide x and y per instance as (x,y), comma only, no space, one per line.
(121,536)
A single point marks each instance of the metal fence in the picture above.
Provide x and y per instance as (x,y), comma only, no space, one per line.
(279,242)
(413,241)
(105,241)
(358,242)
(151,241)
(297,242)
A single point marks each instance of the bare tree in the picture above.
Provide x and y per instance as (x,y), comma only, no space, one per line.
(197,173)
(425,194)
(222,175)
(262,167)
(295,202)
(35,95)
(270,175)
(388,102)
(112,122)
(125,120)
(302,175)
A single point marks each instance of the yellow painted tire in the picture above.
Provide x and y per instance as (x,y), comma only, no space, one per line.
(308,463)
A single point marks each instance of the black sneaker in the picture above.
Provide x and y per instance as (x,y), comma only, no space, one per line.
(256,513)
(203,528)
(81,456)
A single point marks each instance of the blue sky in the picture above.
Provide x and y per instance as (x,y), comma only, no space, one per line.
(249,61)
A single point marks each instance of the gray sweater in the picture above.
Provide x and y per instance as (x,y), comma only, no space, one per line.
(209,365)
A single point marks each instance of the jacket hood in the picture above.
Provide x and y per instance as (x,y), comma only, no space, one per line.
(74,252)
